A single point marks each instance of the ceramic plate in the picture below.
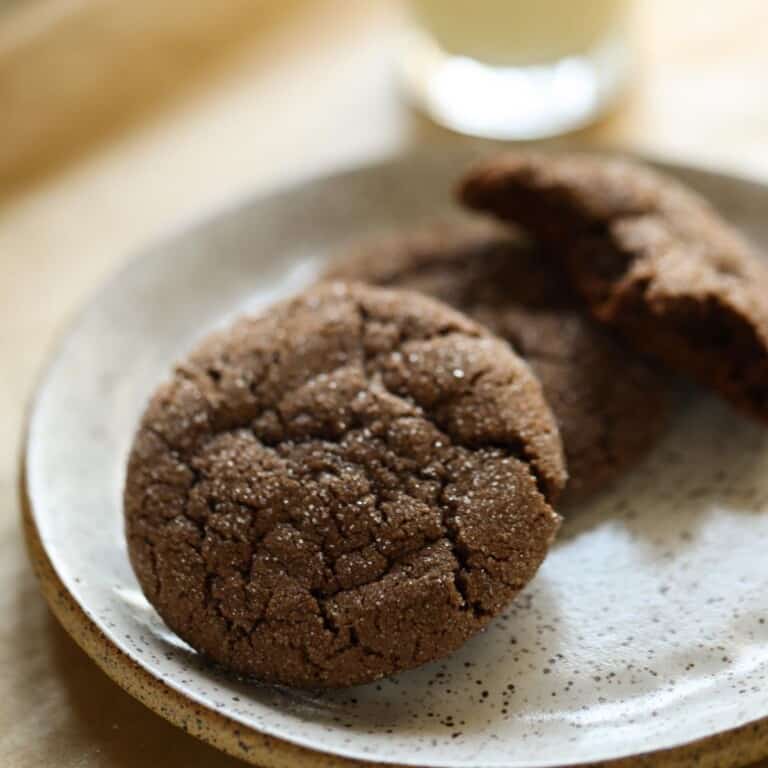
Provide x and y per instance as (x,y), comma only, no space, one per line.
(644,631)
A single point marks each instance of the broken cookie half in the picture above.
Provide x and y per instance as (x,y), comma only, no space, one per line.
(652,259)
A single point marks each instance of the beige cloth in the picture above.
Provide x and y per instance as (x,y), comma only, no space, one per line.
(119,124)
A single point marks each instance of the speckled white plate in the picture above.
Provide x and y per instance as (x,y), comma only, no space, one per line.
(644,631)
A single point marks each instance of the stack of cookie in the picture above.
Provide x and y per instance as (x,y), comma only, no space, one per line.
(356,481)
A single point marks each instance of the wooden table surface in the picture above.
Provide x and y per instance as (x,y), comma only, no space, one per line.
(122,121)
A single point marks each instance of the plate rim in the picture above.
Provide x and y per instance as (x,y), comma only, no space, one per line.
(731,748)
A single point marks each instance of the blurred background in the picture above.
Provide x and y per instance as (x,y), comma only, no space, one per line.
(122,121)
(234,81)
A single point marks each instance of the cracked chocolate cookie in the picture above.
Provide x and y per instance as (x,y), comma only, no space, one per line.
(609,405)
(652,259)
(349,485)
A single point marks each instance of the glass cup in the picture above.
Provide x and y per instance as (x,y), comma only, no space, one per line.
(516,69)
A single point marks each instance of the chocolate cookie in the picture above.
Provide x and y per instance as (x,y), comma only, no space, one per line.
(349,485)
(609,405)
(651,257)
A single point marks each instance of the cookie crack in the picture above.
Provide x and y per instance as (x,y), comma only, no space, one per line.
(460,554)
